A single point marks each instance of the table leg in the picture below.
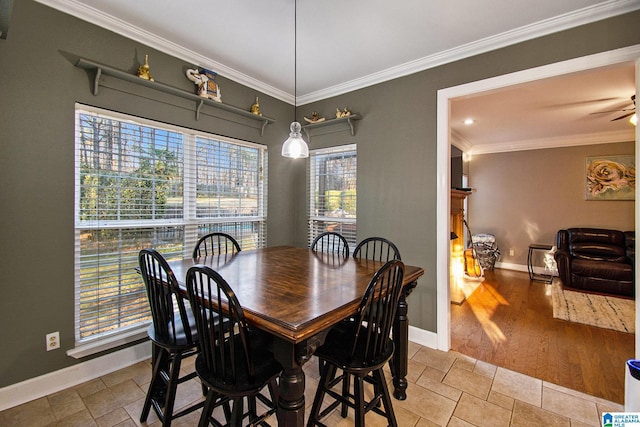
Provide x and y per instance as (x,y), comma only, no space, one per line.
(291,401)
(399,364)
(290,385)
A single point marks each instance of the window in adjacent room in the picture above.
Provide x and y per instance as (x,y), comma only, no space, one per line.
(332,192)
(145,184)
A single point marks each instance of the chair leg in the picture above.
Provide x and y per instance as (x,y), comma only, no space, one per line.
(358,394)
(237,412)
(273,396)
(328,374)
(346,386)
(253,409)
(386,397)
(320,366)
(227,411)
(207,409)
(376,390)
(160,358)
(274,392)
(172,386)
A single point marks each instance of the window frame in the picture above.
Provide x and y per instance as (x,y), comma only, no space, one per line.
(345,226)
(189,224)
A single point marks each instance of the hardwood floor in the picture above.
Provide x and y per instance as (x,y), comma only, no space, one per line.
(508,321)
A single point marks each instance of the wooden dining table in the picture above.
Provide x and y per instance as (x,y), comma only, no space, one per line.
(297,295)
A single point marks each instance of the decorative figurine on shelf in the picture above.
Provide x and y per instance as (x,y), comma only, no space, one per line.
(315,118)
(206,86)
(200,80)
(143,70)
(255,108)
(343,113)
(213,89)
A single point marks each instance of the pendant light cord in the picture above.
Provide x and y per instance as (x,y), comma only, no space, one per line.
(295,146)
(295,59)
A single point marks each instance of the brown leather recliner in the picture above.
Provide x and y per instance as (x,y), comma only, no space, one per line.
(597,260)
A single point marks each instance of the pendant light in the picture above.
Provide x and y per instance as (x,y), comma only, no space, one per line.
(294,146)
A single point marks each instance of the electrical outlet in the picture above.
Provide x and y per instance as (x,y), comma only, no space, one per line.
(512,252)
(53,341)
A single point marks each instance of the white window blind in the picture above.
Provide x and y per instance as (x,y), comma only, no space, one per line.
(332,192)
(144,184)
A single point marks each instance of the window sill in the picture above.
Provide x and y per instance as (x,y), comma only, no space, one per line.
(99,345)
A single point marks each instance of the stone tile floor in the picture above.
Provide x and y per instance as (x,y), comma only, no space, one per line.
(445,389)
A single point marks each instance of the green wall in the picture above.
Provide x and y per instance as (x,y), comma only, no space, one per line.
(396,157)
(397,141)
(39,86)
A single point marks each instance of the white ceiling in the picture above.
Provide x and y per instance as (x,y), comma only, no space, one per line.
(572,109)
(345,45)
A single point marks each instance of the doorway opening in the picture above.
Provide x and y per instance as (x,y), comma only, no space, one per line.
(444,153)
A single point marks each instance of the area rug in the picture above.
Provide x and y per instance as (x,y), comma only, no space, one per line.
(597,310)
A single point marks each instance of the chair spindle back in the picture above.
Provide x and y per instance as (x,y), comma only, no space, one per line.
(164,297)
(377,311)
(215,244)
(331,242)
(377,249)
(222,327)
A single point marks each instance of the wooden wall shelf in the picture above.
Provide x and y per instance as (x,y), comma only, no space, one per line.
(101,69)
(341,124)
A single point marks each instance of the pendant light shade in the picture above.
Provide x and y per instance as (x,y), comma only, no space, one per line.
(295,147)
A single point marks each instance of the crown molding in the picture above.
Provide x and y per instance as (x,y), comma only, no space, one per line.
(554,142)
(566,21)
(109,22)
(562,22)
(460,142)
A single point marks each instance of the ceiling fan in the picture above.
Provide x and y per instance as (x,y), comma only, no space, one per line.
(627,111)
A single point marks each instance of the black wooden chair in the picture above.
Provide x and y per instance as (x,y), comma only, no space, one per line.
(331,242)
(361,348)
(377,249)
(235,360)
(215,244)
(173,335)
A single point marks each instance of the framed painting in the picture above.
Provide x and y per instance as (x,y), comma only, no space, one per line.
(611,177)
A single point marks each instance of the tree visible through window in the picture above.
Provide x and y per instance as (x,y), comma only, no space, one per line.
(142,184)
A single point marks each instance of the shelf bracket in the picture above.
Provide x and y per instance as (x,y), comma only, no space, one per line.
(353,133)
(306,132)
(198,107)
(264,125)
(96,81)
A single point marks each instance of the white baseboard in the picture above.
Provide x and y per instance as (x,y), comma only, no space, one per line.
(35,388)
(511,266)
(52,382)
(422,337)
(523,268)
